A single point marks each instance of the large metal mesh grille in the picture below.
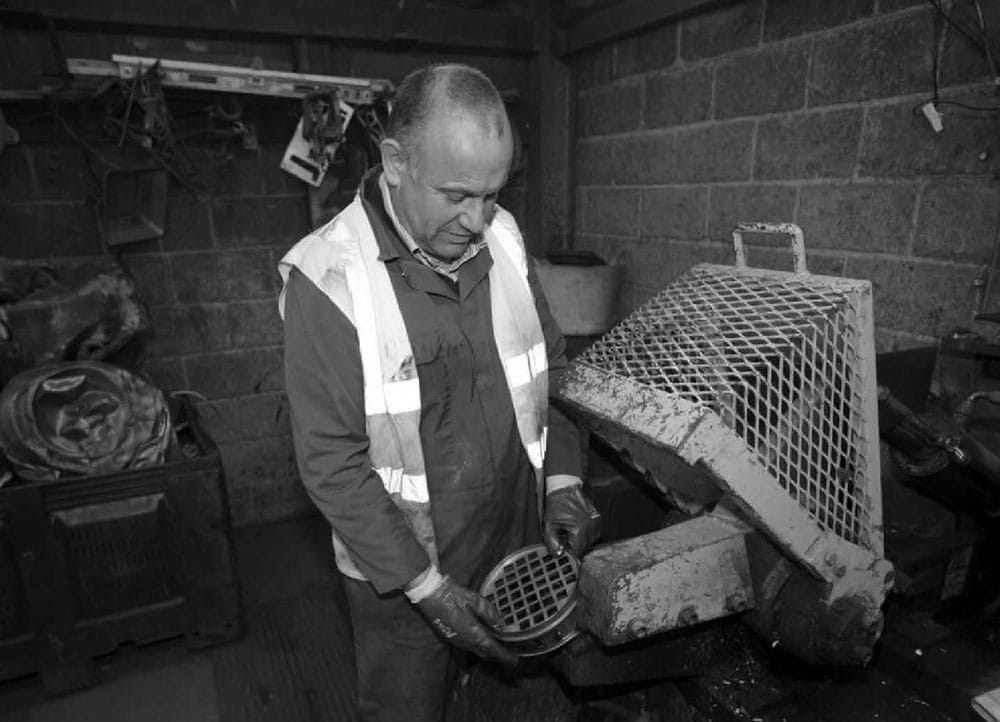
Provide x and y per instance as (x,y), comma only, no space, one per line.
(776,357)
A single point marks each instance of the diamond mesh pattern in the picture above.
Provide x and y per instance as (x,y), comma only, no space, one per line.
(776,357)
(531,588)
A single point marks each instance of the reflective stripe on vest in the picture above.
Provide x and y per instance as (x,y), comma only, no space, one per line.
(519,339)
(397,397)
(521,369)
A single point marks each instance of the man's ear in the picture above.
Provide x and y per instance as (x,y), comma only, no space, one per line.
(393,161)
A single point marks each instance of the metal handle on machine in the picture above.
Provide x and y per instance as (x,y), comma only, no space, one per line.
(787,229)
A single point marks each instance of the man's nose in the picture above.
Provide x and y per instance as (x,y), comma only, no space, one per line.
(474,215)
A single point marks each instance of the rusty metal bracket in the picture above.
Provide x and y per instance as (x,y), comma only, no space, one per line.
(785,229)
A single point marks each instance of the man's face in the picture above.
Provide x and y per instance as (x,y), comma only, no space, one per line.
(445,188)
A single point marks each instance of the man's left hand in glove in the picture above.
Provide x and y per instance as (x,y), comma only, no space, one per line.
(571,522)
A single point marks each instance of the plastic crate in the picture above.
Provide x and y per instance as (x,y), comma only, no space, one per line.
(90,563)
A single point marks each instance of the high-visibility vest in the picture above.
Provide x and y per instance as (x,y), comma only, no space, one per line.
(342,260)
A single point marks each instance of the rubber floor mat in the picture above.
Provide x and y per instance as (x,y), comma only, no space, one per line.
(295,664)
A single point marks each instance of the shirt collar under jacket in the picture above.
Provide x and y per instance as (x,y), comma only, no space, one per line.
(449,270)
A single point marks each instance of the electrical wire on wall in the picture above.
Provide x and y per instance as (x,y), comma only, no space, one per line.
(966,19)
(987,43)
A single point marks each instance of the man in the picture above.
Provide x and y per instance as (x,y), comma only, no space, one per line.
(418,353)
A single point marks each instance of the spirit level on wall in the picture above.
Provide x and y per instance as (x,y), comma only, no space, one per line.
(235,79)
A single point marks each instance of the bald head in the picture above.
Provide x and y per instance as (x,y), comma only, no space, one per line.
(432,93)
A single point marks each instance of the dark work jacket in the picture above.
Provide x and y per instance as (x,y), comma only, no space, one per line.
(480,481)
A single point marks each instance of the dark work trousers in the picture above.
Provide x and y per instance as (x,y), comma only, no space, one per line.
(405,670)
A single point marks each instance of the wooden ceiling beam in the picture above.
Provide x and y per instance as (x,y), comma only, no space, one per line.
(372,21)
(626,18)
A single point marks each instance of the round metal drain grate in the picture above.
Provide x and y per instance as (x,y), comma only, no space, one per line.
(536,595)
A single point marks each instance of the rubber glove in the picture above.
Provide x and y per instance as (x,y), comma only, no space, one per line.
(455,612)
(571,522)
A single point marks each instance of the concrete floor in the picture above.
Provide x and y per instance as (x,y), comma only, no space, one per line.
(287,577)
(292,664)
(166,682)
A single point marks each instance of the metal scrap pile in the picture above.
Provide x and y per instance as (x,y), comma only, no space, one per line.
(81,418)
(43,320)
(65,408)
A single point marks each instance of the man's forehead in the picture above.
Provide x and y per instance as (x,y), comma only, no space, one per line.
(459,143)
(451,121)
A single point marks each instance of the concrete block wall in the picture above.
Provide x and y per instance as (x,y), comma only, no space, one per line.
(209,285)
(210,282)
(803,111)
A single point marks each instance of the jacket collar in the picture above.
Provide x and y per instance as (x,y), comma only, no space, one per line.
(390,245)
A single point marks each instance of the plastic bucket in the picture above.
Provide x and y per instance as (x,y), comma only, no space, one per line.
(581,298)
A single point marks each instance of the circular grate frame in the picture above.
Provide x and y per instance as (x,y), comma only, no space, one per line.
(533,590)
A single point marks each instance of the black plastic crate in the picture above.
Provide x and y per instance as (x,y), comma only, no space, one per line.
(88,564)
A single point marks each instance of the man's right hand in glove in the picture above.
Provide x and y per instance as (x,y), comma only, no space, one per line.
(455,613)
